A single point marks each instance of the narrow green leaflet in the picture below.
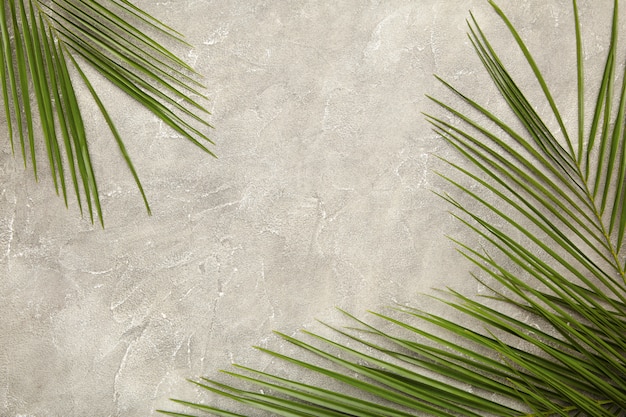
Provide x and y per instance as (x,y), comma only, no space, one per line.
(43,42)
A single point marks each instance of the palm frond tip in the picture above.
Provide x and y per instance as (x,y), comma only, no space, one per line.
(550,337)
(43,42)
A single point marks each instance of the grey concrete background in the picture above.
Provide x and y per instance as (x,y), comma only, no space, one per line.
(321,197)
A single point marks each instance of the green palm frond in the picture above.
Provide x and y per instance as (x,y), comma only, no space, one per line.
(550,338)
(44,42)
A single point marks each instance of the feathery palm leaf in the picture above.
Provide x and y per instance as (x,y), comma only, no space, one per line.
(43,42)
(550,207)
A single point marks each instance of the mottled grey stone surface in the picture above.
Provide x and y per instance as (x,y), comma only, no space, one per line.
(321,197)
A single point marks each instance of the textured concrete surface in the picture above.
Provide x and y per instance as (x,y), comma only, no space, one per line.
(321,197)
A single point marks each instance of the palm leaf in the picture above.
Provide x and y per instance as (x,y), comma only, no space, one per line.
(549,207)
(44,42)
